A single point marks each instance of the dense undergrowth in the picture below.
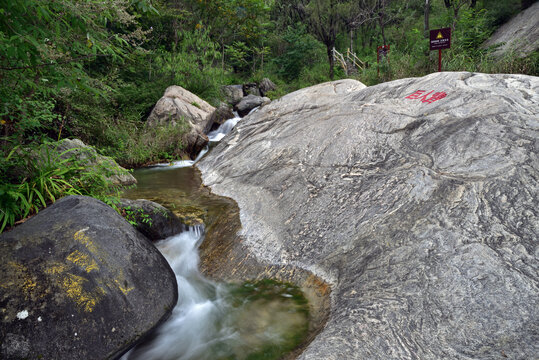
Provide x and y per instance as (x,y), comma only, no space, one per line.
(94,69)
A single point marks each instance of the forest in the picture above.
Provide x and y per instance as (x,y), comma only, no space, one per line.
(93,70)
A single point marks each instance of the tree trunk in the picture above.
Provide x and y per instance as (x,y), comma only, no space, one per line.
(447,3)
(473,3)
(381,22)
(427,11)
(331,60)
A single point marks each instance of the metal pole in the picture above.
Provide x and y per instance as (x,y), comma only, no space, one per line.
(439,60)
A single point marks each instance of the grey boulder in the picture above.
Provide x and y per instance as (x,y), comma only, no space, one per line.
(416,200)
(232,93)
(178,106)
(265,86)
(79,282)
(249,102)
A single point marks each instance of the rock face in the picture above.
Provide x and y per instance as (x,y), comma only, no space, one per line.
(153,220)
(415,199)
(79,282)
(520,34)
(249,102)
(178,106)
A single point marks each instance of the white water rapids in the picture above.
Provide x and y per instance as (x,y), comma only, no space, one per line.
(213,136)
(195,324)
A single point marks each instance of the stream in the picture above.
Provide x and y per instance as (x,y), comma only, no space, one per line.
(262,319)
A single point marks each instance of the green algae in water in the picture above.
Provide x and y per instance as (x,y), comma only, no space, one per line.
(271,318)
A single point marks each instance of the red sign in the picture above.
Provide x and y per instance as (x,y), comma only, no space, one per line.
(419,95)
(440,39)
(381,52)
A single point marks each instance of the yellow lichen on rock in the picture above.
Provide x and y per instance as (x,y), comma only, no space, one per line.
(73,286)
(82,260)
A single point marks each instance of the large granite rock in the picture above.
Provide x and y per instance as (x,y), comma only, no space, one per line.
(519,35)
(79,282)
(419,211)
(179,106)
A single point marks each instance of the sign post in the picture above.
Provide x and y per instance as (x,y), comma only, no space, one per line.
(440,39)
(382,53)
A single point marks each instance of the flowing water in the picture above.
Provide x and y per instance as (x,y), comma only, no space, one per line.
(252,320)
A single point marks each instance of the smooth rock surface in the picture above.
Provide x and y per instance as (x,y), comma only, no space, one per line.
(422,216)
(152,219)
(79,282)
(520,34)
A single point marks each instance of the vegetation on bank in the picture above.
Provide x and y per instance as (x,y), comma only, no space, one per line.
(93,70)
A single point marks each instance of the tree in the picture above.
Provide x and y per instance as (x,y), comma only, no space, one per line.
(323,18)
(48,46)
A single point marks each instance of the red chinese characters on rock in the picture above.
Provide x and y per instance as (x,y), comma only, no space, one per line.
(419,95)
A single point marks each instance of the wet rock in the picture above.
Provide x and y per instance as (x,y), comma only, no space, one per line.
(179,106)
(152,219)
(79,282)
(249,102)
(414,199)
(233,93)
(218,117)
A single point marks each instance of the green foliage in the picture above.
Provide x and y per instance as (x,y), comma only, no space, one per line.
(44,175)
(301,51)
(136,216)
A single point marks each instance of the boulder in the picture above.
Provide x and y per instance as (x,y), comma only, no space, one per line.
(251,89)
(416,200)
(265,86)
(519,35)
(232,93)
(179,106)
(152,219)
(51,153)
(218,117)
(91,160)
(79,282)
(249,102)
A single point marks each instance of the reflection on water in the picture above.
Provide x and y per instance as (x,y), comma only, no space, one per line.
(254,320)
